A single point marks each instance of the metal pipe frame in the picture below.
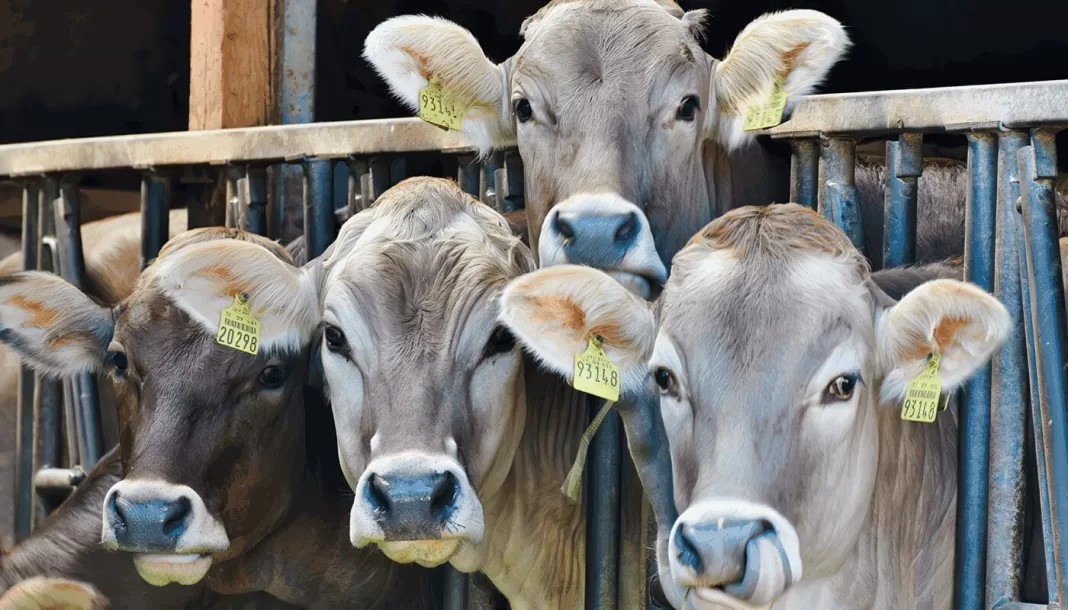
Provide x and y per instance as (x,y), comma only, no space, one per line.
(1038,167)
(487,179)
(974,418)
(904,165)
(1009,392)
(379,177)
(839,201)
(252,194)
(319,222)
(359,185)
(155,215)
(468,174)
(47,394)
(24,446)
(603,510)
(804,172)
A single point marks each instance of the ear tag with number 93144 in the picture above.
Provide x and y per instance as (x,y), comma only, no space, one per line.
(238,327)
(594,372)
(439,108)
(922,393)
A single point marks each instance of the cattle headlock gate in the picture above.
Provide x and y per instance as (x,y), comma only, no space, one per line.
(1011,249)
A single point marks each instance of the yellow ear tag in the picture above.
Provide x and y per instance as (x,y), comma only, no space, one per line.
(439,108)
(594,373)
(238,328)
(770,114)
(923,393)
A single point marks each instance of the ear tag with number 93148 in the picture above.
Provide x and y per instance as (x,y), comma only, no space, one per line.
(922,393)
(594,372)
(439,108)
(238,327)
(770,114)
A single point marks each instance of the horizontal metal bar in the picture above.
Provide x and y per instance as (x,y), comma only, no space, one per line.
(271,143)
(932,110)
(60,479)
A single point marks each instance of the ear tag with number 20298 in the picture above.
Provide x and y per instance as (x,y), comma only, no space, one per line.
(594,372)
(923,392)
(238,327)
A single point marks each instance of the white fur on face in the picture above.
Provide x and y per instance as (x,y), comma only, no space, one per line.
(345,380)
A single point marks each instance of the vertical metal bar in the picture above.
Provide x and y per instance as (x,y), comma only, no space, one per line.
(840,203)
(359,197)
(47,392)
(155,215)
(487,191)
(1038,167)
(253,196)
(513,172)
(804,172)
(602,511)
(469,175)
(319,218)
(234,174)
(379,176)
(24,425)
(456,589)
(72,267)
(904,164)
(1009,393)
(974,431)
(398,170)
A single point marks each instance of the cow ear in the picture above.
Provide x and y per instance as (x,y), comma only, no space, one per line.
(957,320)
(800,46)
(57,328)
(554,312)
(409,50)
(42,593)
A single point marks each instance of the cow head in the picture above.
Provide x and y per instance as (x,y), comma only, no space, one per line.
(425,387)
(212,438)
(778,363)
(613,103)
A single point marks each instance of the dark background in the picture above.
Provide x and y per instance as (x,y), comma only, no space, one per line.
(71,68)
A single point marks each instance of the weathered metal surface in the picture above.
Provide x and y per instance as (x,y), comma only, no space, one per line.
(931,110)
(319,223)
(155,215)
(468,174)
(59,479)
(488,178)
(974,431)
(602,511)
(839,201)
(455,589)
(252,195)
(1037,170)
(272,143)
(804,172)
(904,164)
(1009,394)
(23,487)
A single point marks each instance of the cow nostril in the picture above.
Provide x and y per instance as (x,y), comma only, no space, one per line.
(686,553)
(118,511)
(379,493)
(444,495)
(628,229)
(175,515)
(563,228)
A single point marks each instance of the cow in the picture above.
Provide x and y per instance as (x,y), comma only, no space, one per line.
(224,478)
(780,368)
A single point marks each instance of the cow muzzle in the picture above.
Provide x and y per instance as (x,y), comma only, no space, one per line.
(167,526)
(733,554)
(605,231)
(416,508)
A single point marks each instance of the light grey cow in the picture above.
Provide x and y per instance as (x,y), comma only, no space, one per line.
(781,367)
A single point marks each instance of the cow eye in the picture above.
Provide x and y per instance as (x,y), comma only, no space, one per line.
(274,377)
(841,389)
(499,342)
(523,111)
(688,108)
(335,339)
(117,358)
(665,379)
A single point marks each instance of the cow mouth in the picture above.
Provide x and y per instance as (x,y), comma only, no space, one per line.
(642,285)
(162,569)
(426,553)
(715,597)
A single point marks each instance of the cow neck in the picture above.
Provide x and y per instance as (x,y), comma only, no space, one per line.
(535,538)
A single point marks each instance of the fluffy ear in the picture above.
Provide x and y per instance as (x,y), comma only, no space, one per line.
(57,328)
(41,593)
(799,45)
(407,51)
(955,319)
(555,311)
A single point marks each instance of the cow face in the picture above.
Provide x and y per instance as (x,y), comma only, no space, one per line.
(612,104)
(426,388)
(211,437)
(778,362)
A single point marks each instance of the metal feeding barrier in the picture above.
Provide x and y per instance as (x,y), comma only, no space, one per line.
(1011,249)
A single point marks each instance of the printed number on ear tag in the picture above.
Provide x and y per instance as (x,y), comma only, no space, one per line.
(770,114)
(923,393)
(438,108)
(594,372)
(238,328)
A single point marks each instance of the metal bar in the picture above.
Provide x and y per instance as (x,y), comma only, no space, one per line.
(318,205)
(487,190)
(602,511)
(234,175)
(840,202)
(72,268)
(23,487)
(469,174)
(904,164)
(379,177)
(47,393)
(253,197)
(155,215)
(1009,392)
(974,431)
(358,168)
(59,479)
(456,589)
(1037,169)
(512,182)
(804,172)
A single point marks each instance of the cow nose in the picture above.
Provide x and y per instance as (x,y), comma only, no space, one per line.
(152,526)
(597,240)
(717,551)
(412,507)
